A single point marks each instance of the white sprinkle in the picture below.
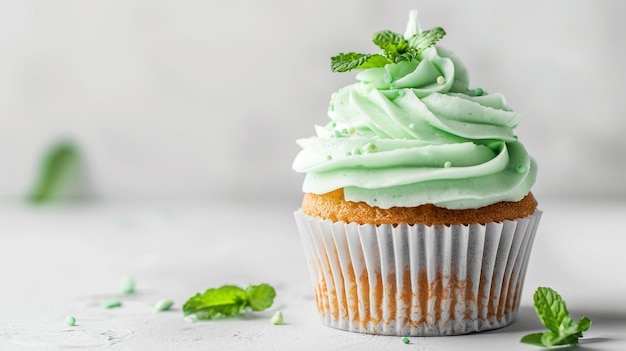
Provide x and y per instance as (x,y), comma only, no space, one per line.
(277,318)
(411,125)
(127,285)
(441,80)
(163,305)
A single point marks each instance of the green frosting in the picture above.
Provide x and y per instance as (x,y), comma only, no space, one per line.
(412,133)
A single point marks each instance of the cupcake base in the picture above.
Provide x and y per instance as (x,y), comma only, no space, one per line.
(417,280)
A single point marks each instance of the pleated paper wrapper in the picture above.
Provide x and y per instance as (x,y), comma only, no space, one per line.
(417,280)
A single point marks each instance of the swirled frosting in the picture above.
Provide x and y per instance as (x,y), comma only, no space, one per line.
(413,133)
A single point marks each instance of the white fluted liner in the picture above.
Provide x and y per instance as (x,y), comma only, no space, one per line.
(417,280)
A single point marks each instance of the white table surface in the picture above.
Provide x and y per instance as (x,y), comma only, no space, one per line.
(65,260)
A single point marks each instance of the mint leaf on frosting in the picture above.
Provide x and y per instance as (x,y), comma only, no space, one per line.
(229,301)
(394,46)
(426,39)
(352,60)
(553,314)
(395,49)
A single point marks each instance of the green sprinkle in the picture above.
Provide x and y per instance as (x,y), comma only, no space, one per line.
(127,285)
(70,320)
(447,164)
(405,340)
(112,303)
(277,318)
(163,305)
(520,168)
(478,92)
(329,157)
(441,80)
(369,147)
(351,130)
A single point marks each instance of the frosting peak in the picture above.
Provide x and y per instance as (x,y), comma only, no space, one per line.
(412,132)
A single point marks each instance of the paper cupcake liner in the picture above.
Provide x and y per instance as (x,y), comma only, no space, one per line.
(417,280)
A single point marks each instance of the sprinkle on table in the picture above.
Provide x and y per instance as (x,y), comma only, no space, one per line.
(277,318)
(70,320)
(112,303)
(127,285)
(163,305)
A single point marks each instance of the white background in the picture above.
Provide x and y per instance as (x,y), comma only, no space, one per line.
(204,99)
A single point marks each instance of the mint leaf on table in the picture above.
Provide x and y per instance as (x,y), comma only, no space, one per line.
(553,314)
(229,301)
(260,297)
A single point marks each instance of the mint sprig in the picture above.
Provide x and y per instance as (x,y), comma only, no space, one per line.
(553,314)
(395,49)
(229,301)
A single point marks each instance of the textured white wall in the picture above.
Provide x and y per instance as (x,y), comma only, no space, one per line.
(199,99)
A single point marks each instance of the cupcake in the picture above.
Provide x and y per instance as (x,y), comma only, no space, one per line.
(418,217)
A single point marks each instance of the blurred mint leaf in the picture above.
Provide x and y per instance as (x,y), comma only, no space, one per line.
(56,171)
